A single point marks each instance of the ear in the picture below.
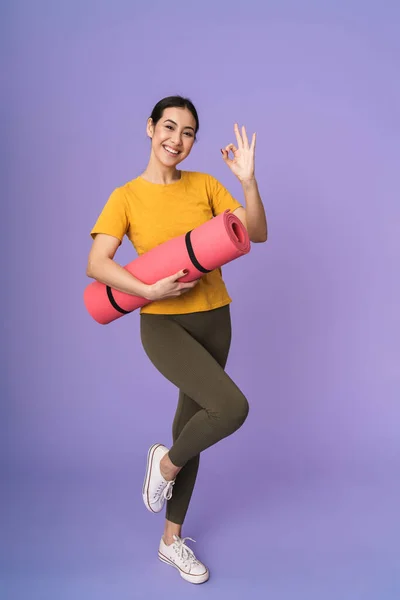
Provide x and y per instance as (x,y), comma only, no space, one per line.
(150,128)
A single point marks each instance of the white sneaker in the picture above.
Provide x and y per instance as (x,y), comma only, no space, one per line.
(156,489)
(182,557)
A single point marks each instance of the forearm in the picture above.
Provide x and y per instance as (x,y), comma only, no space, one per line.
(110,273)
(256,219)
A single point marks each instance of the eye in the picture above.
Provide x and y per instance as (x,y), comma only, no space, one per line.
(168,126)
(189,134)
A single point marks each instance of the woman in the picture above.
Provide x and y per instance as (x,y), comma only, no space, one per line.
(186,328)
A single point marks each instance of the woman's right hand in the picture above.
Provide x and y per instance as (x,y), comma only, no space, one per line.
(170,287)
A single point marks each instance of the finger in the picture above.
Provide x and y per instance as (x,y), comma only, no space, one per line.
(186,287)
(245,138)
(178,275)
(253,142)
(231,147)
(225,155)
(190,284)
(238,138)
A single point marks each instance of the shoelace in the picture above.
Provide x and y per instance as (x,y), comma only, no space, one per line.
(185,553)
(165,490)
(168,490)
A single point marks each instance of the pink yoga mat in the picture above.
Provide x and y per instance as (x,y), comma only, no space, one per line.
(207,247)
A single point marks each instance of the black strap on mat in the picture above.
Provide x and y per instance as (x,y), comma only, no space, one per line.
(114,304)
(192,257)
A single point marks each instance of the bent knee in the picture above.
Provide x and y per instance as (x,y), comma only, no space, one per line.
(236,412)
(242,410)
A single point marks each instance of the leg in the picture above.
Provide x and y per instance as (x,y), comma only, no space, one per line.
(188,363)
(216,338)
(185,481)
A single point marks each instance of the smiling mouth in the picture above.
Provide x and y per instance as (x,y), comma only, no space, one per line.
(170,151)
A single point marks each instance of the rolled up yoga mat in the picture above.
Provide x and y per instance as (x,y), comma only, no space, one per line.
(207,247)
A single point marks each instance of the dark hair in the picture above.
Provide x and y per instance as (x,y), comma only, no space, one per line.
(174,102)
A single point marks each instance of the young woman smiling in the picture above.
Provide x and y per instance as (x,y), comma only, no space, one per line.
(186,328)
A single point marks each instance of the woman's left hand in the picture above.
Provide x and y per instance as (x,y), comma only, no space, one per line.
(242,163)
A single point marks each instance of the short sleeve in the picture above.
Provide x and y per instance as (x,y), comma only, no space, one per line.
(220,199)
(113,219)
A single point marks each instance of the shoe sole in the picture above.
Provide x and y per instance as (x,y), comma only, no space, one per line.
(147,476)
(196,579)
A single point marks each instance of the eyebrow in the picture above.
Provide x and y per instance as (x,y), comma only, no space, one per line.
(171,121)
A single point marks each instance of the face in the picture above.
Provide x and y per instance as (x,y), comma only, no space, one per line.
(173,136)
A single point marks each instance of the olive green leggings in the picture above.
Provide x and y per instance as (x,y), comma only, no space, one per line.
(191,351)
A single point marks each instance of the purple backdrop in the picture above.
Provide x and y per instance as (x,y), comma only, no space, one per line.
(303,501)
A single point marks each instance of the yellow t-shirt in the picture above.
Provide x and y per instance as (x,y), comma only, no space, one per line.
(150,214)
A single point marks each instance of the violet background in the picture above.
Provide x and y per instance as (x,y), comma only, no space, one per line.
(302,502)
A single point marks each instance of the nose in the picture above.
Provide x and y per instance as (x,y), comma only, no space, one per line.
(176,138)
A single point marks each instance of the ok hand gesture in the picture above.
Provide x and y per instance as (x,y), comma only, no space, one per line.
(243,162)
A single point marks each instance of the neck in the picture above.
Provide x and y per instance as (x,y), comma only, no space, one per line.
(158,173)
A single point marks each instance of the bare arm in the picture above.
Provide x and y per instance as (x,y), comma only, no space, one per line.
(253,216)
(242,165)
(102,267)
